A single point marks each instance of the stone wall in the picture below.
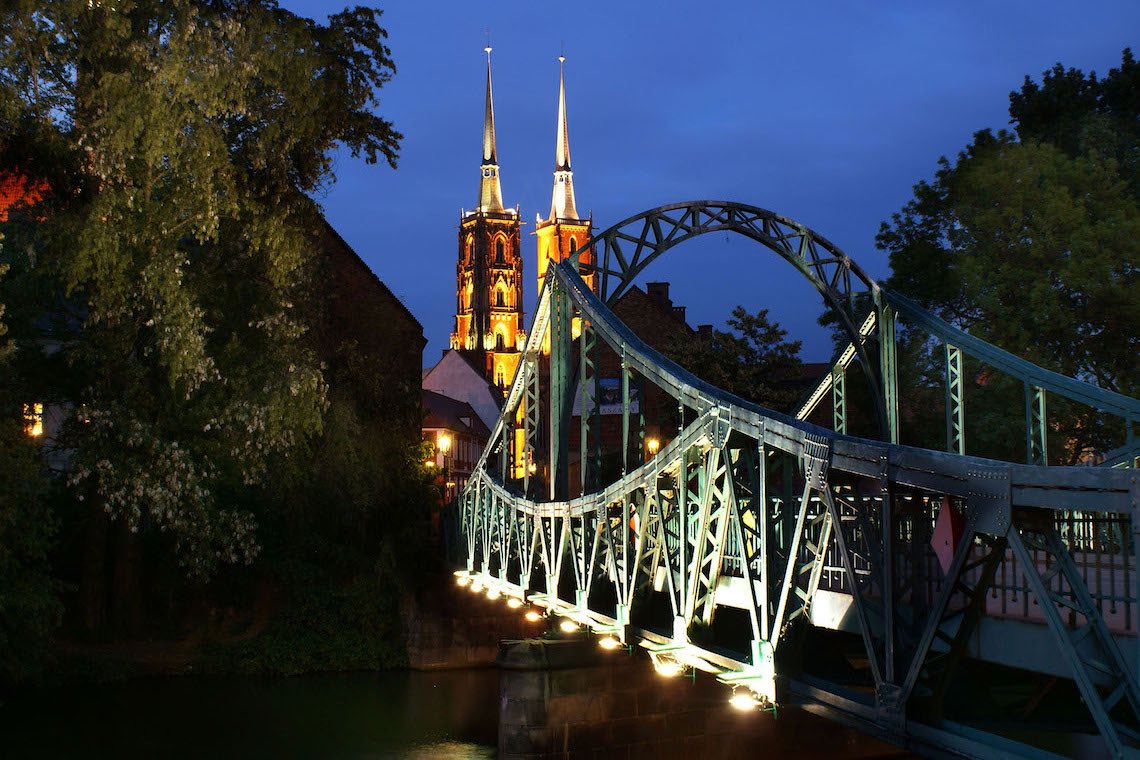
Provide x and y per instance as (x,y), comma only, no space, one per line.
(451,627)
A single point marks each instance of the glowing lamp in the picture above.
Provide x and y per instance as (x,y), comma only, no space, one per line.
(514,603)
(462,581)
(667,668)
(533,616)
(744,701)
(568,626)
(444,443)
(608,642)
(653,445)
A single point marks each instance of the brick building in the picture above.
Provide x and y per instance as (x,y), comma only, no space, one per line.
(361,315)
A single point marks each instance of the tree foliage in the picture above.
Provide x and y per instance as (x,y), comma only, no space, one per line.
(179,139)
(752,359)
(1031,241)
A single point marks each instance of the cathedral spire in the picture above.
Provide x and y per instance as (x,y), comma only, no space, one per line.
(490,192)
(562,203)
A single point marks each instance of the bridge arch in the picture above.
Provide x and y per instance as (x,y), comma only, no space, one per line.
(626,249)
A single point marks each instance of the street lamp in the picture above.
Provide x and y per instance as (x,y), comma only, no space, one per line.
(443,444)
(652,445)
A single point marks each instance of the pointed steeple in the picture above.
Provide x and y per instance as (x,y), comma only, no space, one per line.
(562,204)
(490,192)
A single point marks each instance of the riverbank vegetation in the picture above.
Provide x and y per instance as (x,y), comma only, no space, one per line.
(182,460)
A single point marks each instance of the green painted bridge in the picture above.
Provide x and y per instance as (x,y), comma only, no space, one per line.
(748,532)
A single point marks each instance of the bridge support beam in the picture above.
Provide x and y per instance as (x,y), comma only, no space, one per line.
(561,335)
(888,371)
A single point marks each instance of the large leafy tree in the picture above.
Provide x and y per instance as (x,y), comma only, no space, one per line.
(753,359)
(179,138)
(1031,240)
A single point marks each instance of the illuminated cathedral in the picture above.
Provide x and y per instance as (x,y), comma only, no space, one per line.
(489,270)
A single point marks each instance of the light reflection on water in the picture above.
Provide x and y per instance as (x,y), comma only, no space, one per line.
(355,716)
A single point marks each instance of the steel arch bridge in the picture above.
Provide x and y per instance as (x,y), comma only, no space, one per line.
(749,526)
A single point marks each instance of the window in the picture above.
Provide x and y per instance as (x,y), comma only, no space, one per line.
(573,244)
(500,252)
(34,419)
(499,345)
(499,376)
(500,299)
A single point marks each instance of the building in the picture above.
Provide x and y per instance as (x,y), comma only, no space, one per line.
(489,270)
(458,437)
(360,316)
(457,377)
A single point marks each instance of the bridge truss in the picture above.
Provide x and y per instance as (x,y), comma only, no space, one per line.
(747,527)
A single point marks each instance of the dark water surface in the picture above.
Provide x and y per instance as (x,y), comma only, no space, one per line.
(449,715)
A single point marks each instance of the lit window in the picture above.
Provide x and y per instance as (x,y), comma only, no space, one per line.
(573,244)
(34,419)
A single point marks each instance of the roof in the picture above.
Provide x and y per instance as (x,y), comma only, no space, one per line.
(336,236)
(442,411)
(456,376)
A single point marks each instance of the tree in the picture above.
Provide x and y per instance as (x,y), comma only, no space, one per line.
(29,605)
(179,139)
(753,359)
(1032,244)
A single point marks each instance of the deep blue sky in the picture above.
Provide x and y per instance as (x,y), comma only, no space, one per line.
(827,112)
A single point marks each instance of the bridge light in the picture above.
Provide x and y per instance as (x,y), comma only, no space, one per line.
(653,445)
(608,642)
(514,603)
(476,585)
(667,667)
(532,616)
(568,626)
(743,700)
(462,581)
(493,594)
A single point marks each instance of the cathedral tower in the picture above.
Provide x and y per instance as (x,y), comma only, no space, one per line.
(563,231)
(489,271)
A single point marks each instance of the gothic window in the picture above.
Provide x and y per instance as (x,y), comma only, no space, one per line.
(467,254)
(573,244)
(500,254)
(499,378)
(500,299)
(499,343)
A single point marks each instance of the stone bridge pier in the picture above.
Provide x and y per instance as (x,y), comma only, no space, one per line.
(569,700)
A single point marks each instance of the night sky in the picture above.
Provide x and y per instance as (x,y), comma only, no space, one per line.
(827,112)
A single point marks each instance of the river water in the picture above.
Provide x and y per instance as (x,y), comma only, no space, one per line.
(450,715)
